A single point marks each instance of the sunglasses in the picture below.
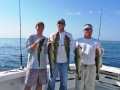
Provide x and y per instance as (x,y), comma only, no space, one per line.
(40,26)
(60,23)
(88,29)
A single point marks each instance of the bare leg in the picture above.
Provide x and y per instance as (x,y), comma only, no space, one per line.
(27,88)
(39,87)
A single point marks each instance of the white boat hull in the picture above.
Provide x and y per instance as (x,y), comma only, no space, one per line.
(14,79)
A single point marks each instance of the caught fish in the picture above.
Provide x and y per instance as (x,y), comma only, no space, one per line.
(39,49)
(51,57)
(98,62)
(67,49)
(78,60)
(56,45)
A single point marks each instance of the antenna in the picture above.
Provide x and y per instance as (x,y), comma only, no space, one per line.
(100,24)
(21,67)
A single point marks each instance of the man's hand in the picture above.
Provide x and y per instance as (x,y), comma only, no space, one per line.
(37,41)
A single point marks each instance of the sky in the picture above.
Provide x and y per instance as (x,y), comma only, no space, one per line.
(76,14)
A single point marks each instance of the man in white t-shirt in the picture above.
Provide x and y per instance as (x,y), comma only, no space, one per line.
(61,63)
(88,68)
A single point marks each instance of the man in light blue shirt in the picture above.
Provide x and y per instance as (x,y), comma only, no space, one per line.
(36,75)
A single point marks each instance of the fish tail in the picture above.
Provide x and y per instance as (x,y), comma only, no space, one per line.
(97,77)
(51,69)
(79,77)
(51,75)
(76,70)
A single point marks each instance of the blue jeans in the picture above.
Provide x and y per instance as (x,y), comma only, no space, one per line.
(63,70)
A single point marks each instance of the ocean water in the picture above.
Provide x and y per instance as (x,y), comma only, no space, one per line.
(10,53)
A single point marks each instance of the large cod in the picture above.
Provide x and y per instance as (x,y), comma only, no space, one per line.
(78,60)
(56,39)
(51,57)
(67,49)
(98,62)
(39,49)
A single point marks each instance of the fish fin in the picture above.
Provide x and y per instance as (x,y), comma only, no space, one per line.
(79,77)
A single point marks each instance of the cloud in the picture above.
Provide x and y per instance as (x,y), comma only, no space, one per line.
(90,12)
(72,13)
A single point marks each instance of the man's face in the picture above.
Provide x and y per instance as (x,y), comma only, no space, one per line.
(88,32)
(60,25)
(39,28)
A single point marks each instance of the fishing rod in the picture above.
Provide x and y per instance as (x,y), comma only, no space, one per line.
(21,67)
(100,25)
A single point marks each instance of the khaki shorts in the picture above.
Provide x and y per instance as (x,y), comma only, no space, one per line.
(36,76)
(87,82)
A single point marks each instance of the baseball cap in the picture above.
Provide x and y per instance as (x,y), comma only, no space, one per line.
(39,23)
(88,26)
(61,20)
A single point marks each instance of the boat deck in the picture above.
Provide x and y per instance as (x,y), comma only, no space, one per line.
(96,88)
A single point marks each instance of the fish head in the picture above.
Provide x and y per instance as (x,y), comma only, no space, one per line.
(42,40)
(98,53)
(79,49)
(53,37)
(66,38)
(75,50)
(51,46)
(57,38)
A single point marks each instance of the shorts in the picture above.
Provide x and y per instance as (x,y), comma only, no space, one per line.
(36,76)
